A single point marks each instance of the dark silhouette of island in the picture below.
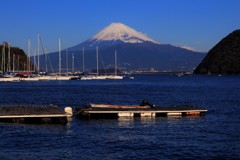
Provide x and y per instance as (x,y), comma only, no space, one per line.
(224,58)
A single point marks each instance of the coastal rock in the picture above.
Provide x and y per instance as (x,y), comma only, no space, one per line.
(224,58)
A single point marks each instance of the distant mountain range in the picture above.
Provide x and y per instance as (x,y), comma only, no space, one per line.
(223,58)
(135,51)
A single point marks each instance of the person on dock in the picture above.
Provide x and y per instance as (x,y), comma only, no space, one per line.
(146,103)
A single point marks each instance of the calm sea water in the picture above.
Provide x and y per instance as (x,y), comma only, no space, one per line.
(215,135)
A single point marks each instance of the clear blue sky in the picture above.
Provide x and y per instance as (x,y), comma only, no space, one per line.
(199,24)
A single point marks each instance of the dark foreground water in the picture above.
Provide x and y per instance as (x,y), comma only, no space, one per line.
(215,135)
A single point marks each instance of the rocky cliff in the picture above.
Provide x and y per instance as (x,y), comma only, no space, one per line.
(224,58)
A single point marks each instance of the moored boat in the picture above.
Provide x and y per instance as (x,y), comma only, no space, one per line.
(94,105)
(9,79)
(114,77)
(93,77)
(44,78)
(62,78)
(145,109)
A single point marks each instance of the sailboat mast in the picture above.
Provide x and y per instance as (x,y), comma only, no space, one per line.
(18,68)
(38,65)
(115,63)
(59,50)
(67,61)
(83,59)
(3,58)
(9,58)
(97,58)
(45,54)
(13,62)
(28,55)
(34,60)
(72,62)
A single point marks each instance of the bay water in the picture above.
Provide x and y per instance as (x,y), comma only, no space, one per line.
(214,135)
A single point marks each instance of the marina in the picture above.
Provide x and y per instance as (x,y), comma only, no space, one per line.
(60,78)
(120,80)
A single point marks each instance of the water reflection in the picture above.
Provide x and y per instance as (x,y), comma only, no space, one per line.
(126,122)
(129,122)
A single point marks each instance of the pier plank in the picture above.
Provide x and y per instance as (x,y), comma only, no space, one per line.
(29,110)
(32,114)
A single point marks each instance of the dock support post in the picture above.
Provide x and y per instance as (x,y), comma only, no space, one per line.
(174,114)
(123,114)
(147,114)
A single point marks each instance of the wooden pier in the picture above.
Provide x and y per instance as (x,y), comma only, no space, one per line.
(33,114)
(105,112)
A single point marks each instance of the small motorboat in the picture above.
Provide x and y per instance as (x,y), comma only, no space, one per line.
(144,104)
(93,105)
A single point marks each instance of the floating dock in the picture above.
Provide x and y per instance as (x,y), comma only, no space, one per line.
(138,111)
(33,114)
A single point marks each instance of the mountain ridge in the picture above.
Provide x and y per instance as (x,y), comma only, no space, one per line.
(113,34)
(136,50)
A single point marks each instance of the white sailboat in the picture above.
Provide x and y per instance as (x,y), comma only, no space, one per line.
(4,78)
(115,76)
(7,77)
(97,76)
(41,77)
(3,59)
(29,78)
(60,77)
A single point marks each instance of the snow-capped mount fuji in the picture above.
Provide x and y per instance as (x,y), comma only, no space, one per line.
(119,31)
(134,51)
(116,33)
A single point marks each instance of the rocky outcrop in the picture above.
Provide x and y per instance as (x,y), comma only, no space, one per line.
(224,58)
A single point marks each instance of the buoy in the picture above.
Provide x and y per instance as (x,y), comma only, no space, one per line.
(68,111)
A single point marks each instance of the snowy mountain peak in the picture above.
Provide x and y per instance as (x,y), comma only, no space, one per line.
(119,31)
